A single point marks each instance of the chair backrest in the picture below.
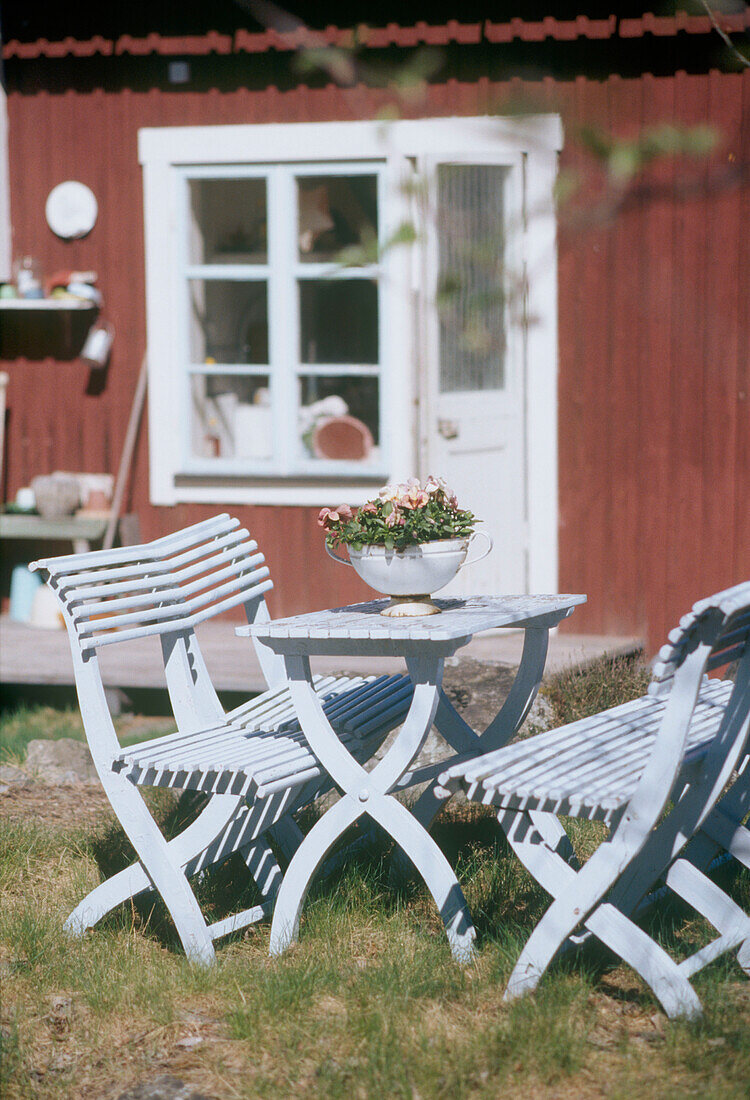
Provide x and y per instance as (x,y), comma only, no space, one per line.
(724,619)
(161,587)
(714,634)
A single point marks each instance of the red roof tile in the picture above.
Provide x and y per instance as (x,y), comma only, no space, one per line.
(393,34)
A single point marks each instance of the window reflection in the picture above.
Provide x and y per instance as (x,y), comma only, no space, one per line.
(231,417)
(229,321)
(228,222)
(339,418)
(335,212)
(338,321)
(471,296)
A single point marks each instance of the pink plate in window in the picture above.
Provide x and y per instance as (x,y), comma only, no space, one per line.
(342,438)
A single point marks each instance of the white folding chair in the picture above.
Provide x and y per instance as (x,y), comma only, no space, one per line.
(253,762)
(654,771)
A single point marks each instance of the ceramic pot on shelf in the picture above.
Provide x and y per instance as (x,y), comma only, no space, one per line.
(411,576)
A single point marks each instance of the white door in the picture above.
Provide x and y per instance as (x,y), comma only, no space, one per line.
(473,377)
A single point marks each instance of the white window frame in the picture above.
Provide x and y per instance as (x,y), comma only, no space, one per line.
(283,274)
(166,152)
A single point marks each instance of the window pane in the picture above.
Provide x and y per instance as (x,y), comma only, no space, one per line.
(335,212)
(339,418)
(231,417)
(338,321)
(229,322)
(471,299)
(228,222)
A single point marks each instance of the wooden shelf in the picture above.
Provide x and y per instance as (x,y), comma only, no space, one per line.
(17,525)
(55,304)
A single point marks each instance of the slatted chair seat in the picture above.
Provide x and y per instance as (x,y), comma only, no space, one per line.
(253,762)
(589,768)
(669,773)
(260,749)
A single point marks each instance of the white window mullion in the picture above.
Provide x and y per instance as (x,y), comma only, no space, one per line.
(161,192)
(283,313)
(183,319)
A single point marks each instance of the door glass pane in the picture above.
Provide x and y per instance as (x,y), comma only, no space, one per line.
(231,417)
(335,212)
(227,222)
(471,281)
(339,418)
(338,321)
(228,321)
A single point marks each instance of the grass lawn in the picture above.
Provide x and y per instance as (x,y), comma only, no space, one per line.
(368,1004)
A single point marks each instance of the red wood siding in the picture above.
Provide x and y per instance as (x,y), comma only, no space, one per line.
(654,343)
(654,337)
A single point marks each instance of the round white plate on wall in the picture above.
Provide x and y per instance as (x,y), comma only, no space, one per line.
(71,210)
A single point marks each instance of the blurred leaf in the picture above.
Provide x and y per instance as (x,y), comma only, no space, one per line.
(624,157)
(567,183)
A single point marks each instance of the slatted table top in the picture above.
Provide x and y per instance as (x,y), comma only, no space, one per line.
(363,624)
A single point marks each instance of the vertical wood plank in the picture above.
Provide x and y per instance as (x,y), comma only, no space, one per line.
(654,376)
(688,349)
(723,294)
(742,403)
(627,354)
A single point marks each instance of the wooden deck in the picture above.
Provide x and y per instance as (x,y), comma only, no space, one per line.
(35,656)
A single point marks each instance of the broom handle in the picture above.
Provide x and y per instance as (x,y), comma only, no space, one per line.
(127,455)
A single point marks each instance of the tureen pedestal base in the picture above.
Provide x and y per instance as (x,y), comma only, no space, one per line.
(409,607)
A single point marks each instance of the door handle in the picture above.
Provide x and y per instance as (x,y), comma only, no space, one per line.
(448,428)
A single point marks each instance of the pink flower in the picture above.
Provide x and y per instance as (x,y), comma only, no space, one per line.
(389,492)
(394,519)
(415,498)
(370,509)
(436,485)
(328,517)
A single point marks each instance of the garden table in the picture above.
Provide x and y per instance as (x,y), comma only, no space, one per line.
(424,643)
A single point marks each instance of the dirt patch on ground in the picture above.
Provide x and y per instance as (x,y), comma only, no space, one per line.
(55,805)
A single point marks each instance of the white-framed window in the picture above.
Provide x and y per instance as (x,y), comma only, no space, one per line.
(278,375)
(281,342)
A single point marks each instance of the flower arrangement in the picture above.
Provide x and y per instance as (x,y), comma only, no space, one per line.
(400,516)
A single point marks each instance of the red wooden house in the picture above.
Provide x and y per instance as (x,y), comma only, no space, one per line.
(598,418)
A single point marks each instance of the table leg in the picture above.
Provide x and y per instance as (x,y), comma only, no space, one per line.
(369,793)
(461,737)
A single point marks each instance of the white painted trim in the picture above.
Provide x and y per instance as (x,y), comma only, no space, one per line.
(319,141)
(281,491)
(541,370)
(6,240)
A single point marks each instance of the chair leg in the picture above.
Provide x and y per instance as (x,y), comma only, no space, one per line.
(133,880)
(661,973)
(608,924)
(708,899)
(162,867)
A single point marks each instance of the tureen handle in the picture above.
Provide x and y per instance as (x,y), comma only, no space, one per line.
(484,554)
(342,561)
